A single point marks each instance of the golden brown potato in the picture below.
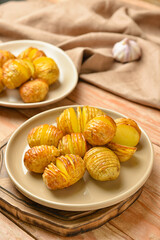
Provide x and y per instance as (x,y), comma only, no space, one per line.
(33,91)
(74,121)
(16,72)
(46,69)
(44,135)
(65,172)
(100,130)
(102,164)
(5,56)
(1,81)
(124,153)
(127,133)
(31,53)
(74,144)
(38,157)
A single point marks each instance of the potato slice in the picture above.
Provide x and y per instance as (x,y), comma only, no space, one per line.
(124,153)
(127,133)
(100,130)
(102,164)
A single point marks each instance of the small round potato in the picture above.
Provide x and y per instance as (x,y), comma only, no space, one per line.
(34,91)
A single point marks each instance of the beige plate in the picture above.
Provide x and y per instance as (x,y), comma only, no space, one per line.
(67,80)
(87,194)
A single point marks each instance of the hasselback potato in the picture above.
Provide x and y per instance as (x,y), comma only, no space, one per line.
(38,157)
(31,53)
(16,72)
(46,69)
(102,164)
(73,143)
(65,172)
(44,135)
(5,56)
(100,130)
(33,91)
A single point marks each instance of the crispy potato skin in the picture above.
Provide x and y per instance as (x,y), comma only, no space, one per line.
(16,72)
(44,135)
(56,178)
(34,91)
(1,81)
(31,53)
(46,69)
(38,157)
(100,130)
(73,143)
(102,164)
(5,56)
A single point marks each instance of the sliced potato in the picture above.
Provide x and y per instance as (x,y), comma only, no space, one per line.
(102,164)
(127,133)
(124,153)
(100,130)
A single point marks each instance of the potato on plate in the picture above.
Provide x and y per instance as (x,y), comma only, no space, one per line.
(5,56)
(65,172)
(100,130)
(38,157)
(46,69)
(44,135)
(124,153)
(73,143)
(33,91)
(127,133)
(31,53)
(102,164)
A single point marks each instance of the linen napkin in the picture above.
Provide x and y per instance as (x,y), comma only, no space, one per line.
(87,31)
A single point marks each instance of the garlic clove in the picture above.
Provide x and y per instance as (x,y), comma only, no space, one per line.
(126,50)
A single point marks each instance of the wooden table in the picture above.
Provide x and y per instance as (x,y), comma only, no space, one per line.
(140,221)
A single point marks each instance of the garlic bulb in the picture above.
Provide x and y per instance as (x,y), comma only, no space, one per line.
(126,51)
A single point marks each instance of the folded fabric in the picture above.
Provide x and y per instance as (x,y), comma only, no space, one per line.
(87,31)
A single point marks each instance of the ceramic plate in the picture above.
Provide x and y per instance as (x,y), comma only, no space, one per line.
(87,194)
(57,91)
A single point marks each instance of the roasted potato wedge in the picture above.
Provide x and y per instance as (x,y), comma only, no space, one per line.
(31,53)
(44,135)
(65,172)
(100,130)
(5,56)
(102,164)
(73,143)
(16,72)
(124,153)
(33,91)
(127,133)
(38,157)
(46,69)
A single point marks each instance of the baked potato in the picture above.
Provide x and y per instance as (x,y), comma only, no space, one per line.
(46,69)
(127,132)
(33,91)
(16,72)
(31,53)
(102,164)
(65,172)
(100,130)
(44,135)
(73,143)
(5,56)
(38,157)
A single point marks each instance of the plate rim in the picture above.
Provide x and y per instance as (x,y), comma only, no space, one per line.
(45,102)
(77,207)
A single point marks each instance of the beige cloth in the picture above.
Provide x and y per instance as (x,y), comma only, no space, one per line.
(87,31)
